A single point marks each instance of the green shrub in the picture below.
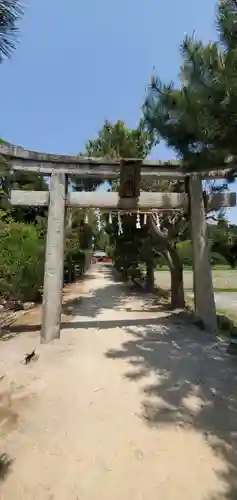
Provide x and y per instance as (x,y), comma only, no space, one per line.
(76,263)
(186,254)
(21,261)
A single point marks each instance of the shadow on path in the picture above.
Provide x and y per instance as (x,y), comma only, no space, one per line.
(196,386)
(98,324)
(5,466)
(112,296)
(90,305)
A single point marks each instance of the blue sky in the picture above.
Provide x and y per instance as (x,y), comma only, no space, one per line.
(79,63)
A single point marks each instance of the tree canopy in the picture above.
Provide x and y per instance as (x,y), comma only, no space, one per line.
(198,118)
(132,247)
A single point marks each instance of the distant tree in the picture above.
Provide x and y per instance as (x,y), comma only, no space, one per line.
(114,141)
(117,141)
(20,180)
(223,238)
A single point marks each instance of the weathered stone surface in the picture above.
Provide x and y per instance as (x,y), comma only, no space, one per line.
(54,260)
(33,161)
(203,287)
(111,200)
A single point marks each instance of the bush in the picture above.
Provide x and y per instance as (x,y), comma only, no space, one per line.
(76,263)
(21,261)
(186,254)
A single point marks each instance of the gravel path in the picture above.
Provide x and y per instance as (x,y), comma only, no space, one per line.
(130,403)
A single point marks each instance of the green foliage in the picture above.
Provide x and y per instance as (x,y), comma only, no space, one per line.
(21,261)
(75,263)
(10,13)
(22,234)
(20,180)
(78,242)
(185,252)
(222,239)
(101,240)
(117,141)
(132,247)
(22,255)
(198,119)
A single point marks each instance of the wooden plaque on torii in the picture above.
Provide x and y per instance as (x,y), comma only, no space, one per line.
(130,178)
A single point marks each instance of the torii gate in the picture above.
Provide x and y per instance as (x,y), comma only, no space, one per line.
(129,199)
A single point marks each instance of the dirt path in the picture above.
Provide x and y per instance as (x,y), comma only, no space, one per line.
(129,404)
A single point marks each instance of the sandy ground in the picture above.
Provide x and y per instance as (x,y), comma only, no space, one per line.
(130,403)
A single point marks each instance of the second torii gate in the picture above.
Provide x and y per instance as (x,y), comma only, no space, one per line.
(128,199)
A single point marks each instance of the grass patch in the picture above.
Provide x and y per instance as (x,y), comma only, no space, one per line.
(220,267)
(218,289)
(227,289)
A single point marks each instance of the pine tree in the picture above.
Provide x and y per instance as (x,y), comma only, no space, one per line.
(10,13)
(198,119)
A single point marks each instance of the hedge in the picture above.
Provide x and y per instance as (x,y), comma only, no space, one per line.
(21,262)
(22,256)
(186,254)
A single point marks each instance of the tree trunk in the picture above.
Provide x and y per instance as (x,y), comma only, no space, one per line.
(150,279)
(125,273)
(175,265)
(70,278)
(176,274)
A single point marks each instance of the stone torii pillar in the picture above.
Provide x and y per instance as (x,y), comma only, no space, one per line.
(54,259)
(204,300)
